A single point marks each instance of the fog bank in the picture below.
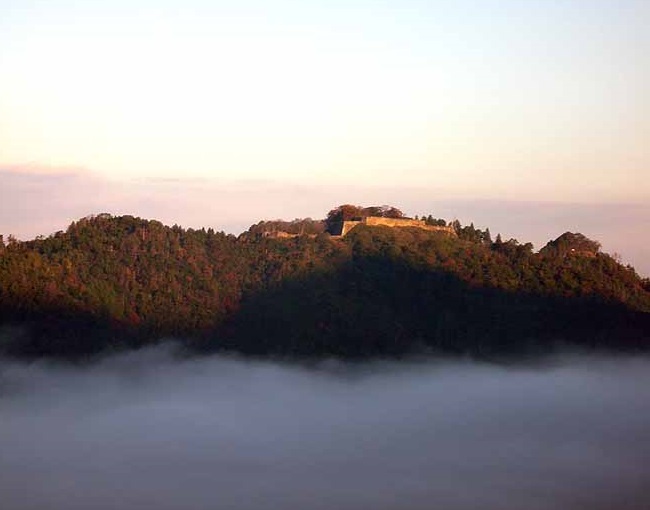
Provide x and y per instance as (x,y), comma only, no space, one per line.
(150,430)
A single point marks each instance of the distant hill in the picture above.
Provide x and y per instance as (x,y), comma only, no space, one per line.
(110,283)
(570,244)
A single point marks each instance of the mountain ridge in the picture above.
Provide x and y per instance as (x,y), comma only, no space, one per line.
(114,282)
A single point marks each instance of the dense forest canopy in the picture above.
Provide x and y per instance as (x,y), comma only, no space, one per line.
(115,282)
(305,226)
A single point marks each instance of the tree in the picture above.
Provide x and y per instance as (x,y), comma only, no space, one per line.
(487,237)
(336,217)
(388,211)
(437,222)
(571,243)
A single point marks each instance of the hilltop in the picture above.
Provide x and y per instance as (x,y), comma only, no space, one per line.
(109,283)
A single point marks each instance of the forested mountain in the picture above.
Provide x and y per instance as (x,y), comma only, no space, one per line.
(116,282)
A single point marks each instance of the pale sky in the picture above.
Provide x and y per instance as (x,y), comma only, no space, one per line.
(499,100)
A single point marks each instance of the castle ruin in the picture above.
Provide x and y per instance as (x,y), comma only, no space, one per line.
(378,221)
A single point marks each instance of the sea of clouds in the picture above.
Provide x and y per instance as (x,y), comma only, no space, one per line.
(156,430)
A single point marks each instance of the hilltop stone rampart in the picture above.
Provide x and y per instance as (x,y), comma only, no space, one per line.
(377,221)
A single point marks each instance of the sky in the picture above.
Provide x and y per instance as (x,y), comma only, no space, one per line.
(280,107)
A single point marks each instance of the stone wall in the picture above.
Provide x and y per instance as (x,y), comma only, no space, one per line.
(348,225)
(376,221)
(436,228)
